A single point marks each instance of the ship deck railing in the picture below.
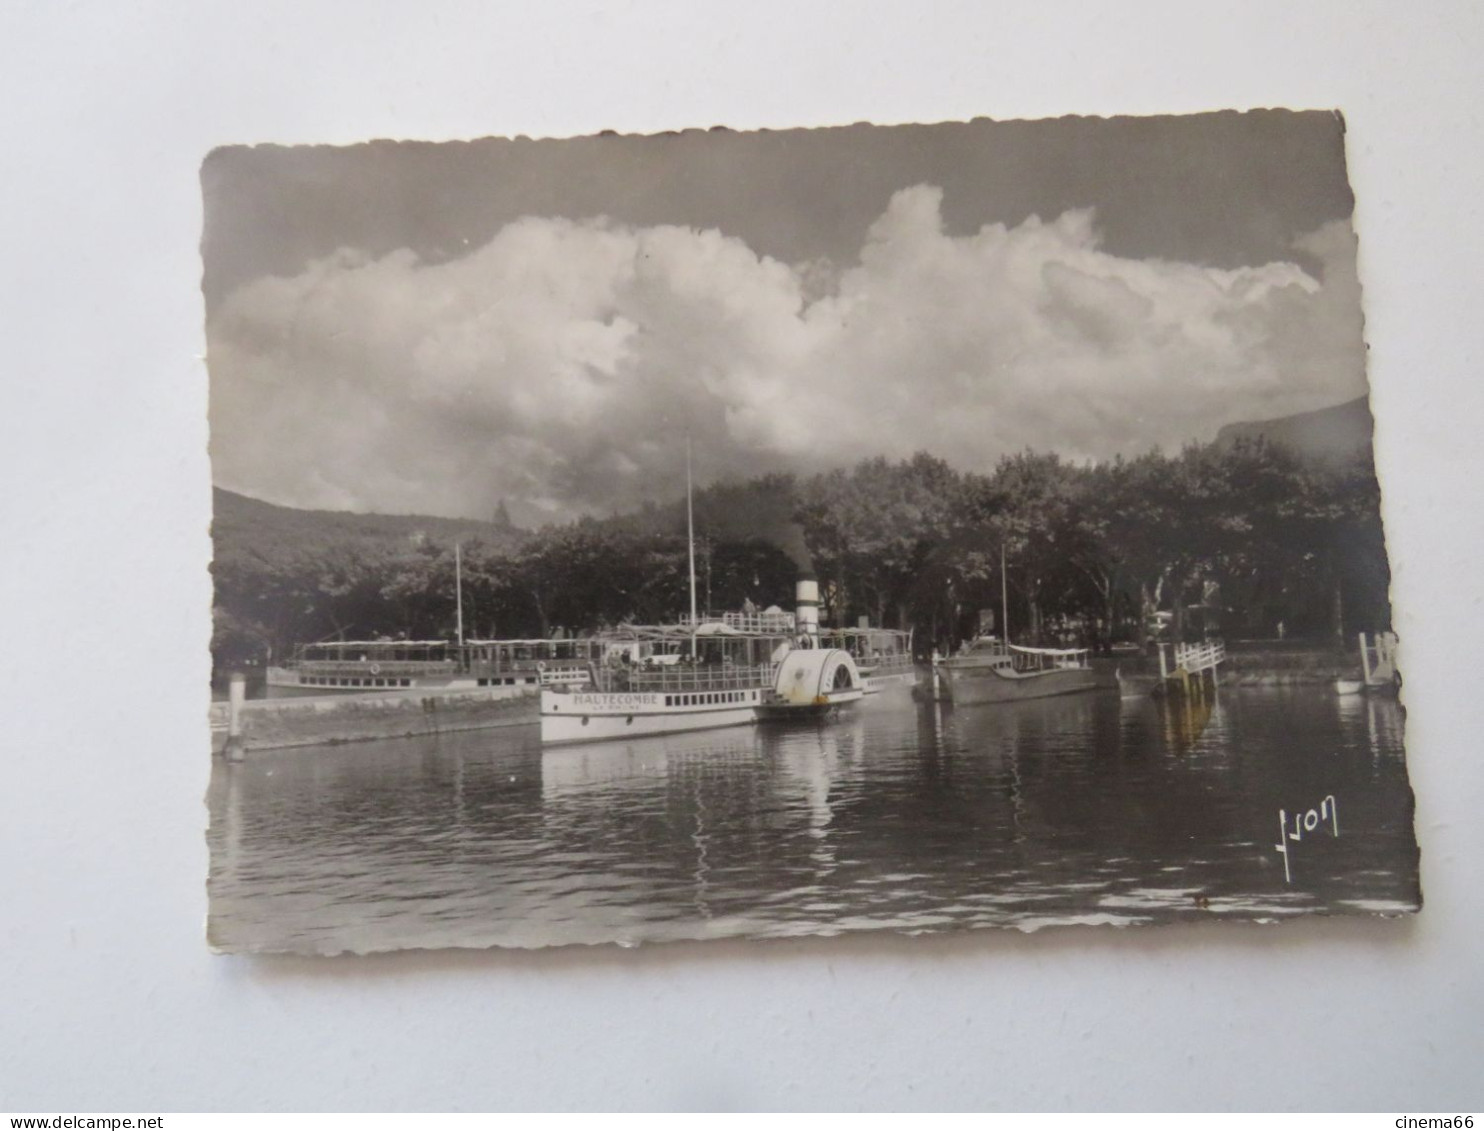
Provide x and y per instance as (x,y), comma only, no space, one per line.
(989,651)
(886,663)
(686,677)
(556,674)
(375,667)
(761,623)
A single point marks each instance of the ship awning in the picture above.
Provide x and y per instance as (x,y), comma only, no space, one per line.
(713,628)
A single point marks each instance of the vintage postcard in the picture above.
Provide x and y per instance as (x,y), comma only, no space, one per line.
(623,539)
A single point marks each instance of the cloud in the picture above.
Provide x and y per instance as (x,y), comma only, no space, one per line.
(561,366)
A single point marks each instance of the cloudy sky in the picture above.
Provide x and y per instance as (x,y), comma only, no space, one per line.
(436,327)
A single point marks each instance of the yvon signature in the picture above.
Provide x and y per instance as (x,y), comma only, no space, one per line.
(1310,821)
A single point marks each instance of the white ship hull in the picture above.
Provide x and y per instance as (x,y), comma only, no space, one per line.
(292,681)
(806,682)
(600,716)
(822,707)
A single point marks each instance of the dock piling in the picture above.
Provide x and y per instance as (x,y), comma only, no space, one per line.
(236,696)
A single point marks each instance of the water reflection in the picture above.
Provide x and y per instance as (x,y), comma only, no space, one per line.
(902,816)
(1378,718)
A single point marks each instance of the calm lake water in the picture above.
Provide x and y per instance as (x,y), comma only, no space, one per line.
(897,816)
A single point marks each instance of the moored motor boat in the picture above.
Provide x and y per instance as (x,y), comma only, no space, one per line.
(367,666)
(992,671)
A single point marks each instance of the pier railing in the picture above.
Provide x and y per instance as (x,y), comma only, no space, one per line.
(1200,656)
(1192,658)
(1378,659)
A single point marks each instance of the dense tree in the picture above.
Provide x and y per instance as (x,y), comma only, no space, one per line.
(1245,531)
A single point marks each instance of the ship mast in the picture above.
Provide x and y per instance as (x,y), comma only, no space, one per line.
(690,538)
(458,584)
(1005,596)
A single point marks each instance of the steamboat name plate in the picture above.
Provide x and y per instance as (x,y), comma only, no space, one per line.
(615,700)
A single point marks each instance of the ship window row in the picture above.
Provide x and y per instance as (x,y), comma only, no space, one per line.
(507,681)
(706,698)
(333,681)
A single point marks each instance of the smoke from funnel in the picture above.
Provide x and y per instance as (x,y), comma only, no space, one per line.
(790,539)
(759,509)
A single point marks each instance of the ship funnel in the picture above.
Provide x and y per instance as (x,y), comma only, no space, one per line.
(806,596)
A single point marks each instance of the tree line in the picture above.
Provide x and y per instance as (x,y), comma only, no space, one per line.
(1245,539)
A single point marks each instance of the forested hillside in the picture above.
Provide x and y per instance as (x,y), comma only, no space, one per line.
(1246,533)
(238,520)
(1334,436)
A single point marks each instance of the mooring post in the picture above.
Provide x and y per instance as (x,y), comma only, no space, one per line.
(236,696)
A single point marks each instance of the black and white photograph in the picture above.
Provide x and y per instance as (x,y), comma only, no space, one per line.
(724,534)
(785,557)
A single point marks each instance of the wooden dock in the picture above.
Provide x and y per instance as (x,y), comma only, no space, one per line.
(1188,670)
(1378,662)
(1193,669)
